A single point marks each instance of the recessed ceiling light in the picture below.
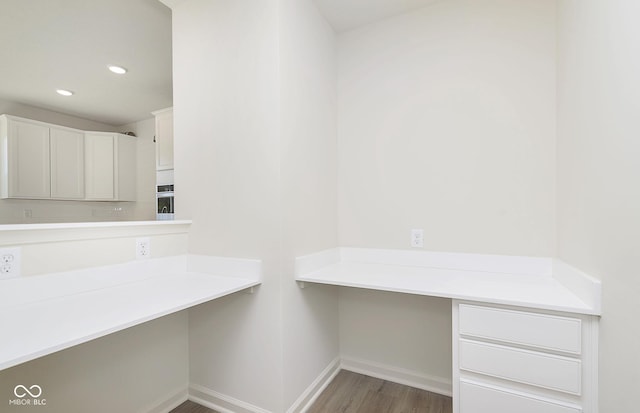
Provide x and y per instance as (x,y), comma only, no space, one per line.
(64,92)
(118,69)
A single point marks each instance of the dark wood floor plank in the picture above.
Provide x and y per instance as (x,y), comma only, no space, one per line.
(376,401)
(356,393)
(191,407)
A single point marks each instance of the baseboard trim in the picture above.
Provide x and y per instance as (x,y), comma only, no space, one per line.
(311,393)
(166,404)
(221,402)
(411,378)
(227,404)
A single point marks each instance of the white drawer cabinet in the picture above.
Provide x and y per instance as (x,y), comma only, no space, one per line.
(509,360)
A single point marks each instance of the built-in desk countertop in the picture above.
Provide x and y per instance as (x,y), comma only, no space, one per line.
(542,283)
(46,313)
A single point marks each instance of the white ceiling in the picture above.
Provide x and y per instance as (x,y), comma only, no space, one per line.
(345,15)
(53,44)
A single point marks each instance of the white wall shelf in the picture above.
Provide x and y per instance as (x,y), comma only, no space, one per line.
(47,313)
(90,225)
(542,283)
(21,234)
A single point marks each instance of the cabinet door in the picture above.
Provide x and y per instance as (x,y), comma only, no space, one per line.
(99,166)
(126,168)
(164,140)
(67,164)
(28,159)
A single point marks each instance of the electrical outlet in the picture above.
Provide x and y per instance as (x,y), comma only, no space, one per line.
(417,238)
(10,262)
(143,248)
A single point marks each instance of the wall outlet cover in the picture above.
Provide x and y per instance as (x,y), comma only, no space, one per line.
(417,238)
(10,262)
(143,248)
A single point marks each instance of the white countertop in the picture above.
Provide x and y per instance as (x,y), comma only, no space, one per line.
(541,283)
(43,314)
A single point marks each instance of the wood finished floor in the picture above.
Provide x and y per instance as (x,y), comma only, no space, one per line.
(191,407)
(355,393)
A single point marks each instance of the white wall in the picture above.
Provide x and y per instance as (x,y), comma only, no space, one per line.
(55,250)
(446,122)
(255,156)
(12,211)
(598,175)
(44,115)
(309,181)
(400,332)
(227,176)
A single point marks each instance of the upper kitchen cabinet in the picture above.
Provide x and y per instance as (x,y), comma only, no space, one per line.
(39,160)
(164,139)
(110,163)
(67,163)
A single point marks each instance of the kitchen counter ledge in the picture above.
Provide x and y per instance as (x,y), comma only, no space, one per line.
(42,314)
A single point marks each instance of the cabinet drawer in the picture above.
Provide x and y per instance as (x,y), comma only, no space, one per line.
(528,367)
(479,399)
(519,327)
